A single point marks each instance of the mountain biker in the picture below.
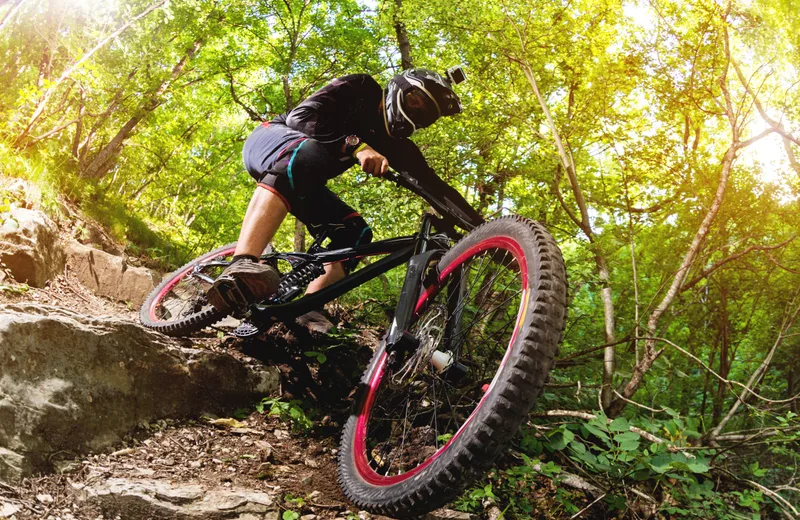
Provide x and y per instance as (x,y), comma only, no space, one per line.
(352,119)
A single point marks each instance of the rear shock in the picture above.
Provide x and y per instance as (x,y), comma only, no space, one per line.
(296,280)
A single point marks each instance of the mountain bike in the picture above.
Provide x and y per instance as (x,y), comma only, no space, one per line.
(473,338)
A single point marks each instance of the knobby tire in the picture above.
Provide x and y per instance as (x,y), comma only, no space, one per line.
(522,371)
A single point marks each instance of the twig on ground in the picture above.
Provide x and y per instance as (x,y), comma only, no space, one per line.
(596,500)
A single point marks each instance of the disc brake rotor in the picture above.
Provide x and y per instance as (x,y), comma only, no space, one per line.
(430,333)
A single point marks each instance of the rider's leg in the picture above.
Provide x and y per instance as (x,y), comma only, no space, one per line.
(324,212)
(246,276)
(333,273)
(264,215)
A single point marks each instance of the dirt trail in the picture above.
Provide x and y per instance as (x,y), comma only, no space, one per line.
(260,453)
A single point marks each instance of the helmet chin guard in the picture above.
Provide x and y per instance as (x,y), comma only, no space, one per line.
(438,99)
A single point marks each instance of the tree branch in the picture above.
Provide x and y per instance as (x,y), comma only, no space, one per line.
(717,265)
(755,379)
(75,66)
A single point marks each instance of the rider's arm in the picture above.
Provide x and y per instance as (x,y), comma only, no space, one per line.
(405,156)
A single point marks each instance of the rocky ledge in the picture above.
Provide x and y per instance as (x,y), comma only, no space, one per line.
(72,384)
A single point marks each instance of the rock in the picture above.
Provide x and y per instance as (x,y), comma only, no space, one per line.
(30,249)
(7,510)
(161,499)
(45,499)
(109,275)
(90,233)
(78,384)
(266,450)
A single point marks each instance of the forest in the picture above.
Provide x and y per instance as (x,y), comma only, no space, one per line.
(658,141)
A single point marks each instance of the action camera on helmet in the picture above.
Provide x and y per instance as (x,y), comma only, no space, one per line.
(456,75)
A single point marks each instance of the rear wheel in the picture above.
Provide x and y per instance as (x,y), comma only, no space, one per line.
(488,329)
(178,306)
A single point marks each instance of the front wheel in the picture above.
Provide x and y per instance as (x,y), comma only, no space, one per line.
(488,331)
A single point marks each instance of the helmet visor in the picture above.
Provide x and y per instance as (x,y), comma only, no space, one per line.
(419,108)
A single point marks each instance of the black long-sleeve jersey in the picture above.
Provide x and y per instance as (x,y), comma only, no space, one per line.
(351,105)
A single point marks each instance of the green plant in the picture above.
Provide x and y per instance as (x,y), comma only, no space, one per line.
(287,411)
(472,499)
(294,500)
(15,289)
(319,357)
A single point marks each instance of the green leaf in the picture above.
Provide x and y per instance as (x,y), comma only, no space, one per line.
(698,465)
(660,463)
(597,432)
(620,424)
(627,436)
(560,439)
(578,447)
(670,411)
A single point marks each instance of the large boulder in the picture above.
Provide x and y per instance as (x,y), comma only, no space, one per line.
(75,384)
(109,275)
(29,247)
(156,499)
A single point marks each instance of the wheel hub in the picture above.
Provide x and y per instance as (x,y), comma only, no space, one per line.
(430,333)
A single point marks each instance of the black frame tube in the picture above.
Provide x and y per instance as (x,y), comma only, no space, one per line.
(286,311)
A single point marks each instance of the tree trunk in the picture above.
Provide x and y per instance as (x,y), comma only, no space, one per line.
(651,354)
(104,159)
(299,235)
(724,357)
(607,390)
(402,37)
(711,357)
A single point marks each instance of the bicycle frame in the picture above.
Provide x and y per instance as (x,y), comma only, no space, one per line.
(416,250)
(398,250)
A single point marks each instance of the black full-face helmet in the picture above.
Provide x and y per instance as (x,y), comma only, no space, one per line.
(415,99)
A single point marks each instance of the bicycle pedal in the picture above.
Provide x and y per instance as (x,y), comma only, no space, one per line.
(246,330)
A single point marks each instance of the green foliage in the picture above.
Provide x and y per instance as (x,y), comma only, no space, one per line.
(143,131)
(18,289)
(290,412)
(611,452)
(472,499)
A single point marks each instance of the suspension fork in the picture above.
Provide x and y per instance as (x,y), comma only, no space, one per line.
(398,338)
(456,292)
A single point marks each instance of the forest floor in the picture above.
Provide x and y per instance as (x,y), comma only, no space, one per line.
(260,452)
